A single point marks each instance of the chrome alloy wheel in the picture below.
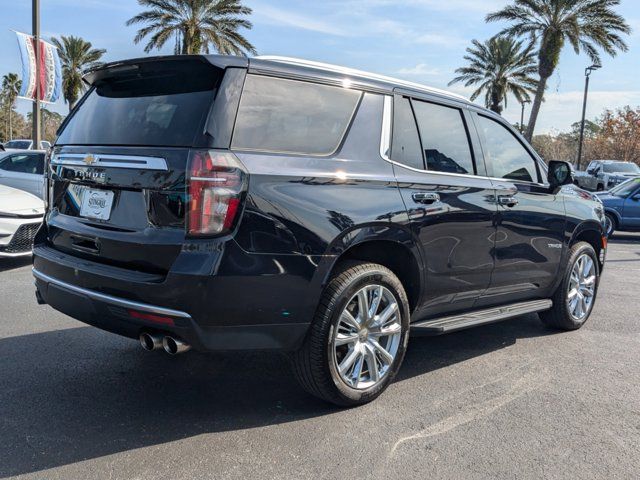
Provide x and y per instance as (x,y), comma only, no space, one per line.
(582,287)
(367,337)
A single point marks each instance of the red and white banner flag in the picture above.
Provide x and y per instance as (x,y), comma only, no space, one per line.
(50,69)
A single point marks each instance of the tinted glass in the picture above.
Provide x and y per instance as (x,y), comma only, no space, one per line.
(278,115)
(621,167)
(627,188)
(164,111)
(505,156)
(444,138)
(33,164)
(405,145)
(19,144)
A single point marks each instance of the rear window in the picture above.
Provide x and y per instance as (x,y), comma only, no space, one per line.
(289,116)
(18,144)
(621,167)
(163,109)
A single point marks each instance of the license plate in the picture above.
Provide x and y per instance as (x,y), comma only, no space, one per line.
(96,204)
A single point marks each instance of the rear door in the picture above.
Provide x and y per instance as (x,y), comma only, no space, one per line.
(448,198)
(531,220)
(118,191)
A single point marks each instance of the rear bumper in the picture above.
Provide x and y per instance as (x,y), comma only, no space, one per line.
(211,313)
(113,315)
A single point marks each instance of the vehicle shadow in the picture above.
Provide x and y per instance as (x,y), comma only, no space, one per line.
(625,237)
(7,264)
(77,394)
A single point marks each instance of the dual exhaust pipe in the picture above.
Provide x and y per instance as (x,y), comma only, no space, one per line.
(154,341)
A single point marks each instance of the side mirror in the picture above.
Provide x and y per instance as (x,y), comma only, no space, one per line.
(636,197)
(560,174)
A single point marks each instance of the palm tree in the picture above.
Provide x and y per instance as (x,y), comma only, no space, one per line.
(588,25)
(499,67)
(195,24)
(76,56)
(11,85)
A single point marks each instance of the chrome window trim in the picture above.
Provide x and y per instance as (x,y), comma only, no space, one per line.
(120,302)
(385,147)
(387,131)
(110,161)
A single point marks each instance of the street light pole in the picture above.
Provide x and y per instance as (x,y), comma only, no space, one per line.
(35,118)
(587,74)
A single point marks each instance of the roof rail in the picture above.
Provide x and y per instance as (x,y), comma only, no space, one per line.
(360,73)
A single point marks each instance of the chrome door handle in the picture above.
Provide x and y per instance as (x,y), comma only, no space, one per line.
(507,201)
(425,197)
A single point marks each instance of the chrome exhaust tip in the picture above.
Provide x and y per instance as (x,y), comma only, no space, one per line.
(150,341)
(173,346)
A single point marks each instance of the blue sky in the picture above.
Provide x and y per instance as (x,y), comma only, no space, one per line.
(418,40)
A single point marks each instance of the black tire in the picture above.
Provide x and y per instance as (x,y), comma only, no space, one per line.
(559,316)
(612,224)
(314,364)
(600,188)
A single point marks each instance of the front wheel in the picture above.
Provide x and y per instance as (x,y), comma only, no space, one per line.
(574,299)
(358,338)
(610,224)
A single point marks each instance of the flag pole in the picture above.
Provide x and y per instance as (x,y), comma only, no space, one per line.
(35,134)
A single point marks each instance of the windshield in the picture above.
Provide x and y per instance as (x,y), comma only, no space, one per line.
(164,109)
(621,167)
(625,189)
(19,144)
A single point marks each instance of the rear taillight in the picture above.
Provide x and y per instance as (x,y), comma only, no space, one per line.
(216,185)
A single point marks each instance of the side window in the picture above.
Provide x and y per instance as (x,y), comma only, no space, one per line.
(505,156)
(405,144)
(21,164)
(39,161)
(289,116)
(444,138)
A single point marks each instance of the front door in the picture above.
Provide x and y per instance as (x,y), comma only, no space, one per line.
(529,241)
(450,207)
(631,212)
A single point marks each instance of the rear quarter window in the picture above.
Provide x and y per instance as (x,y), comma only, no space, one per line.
(290,116)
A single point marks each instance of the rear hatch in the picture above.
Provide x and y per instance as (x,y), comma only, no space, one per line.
(118,191)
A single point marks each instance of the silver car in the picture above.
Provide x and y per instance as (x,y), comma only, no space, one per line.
(20,217)
(24,170)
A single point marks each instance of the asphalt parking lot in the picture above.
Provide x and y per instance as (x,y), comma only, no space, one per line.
(510,400)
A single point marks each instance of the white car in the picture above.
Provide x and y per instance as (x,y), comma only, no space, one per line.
(20,217)
(25,144)
(24,170)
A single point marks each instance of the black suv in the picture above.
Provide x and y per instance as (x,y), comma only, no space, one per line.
(226,203)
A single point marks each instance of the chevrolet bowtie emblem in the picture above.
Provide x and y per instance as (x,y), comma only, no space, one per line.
(89,159)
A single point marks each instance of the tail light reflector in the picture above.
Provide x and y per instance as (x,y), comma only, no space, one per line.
(216,186)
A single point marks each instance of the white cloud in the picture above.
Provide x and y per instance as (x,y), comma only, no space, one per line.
(421,69)
(460,6)
(354,20)
(441,40)
(281,16)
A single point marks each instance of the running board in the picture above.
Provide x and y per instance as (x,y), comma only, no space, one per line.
(453,323)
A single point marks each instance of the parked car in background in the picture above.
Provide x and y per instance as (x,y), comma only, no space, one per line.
(603,175)
(226,203)
(23,170)
(20,217)
(622,207)
(26,144)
